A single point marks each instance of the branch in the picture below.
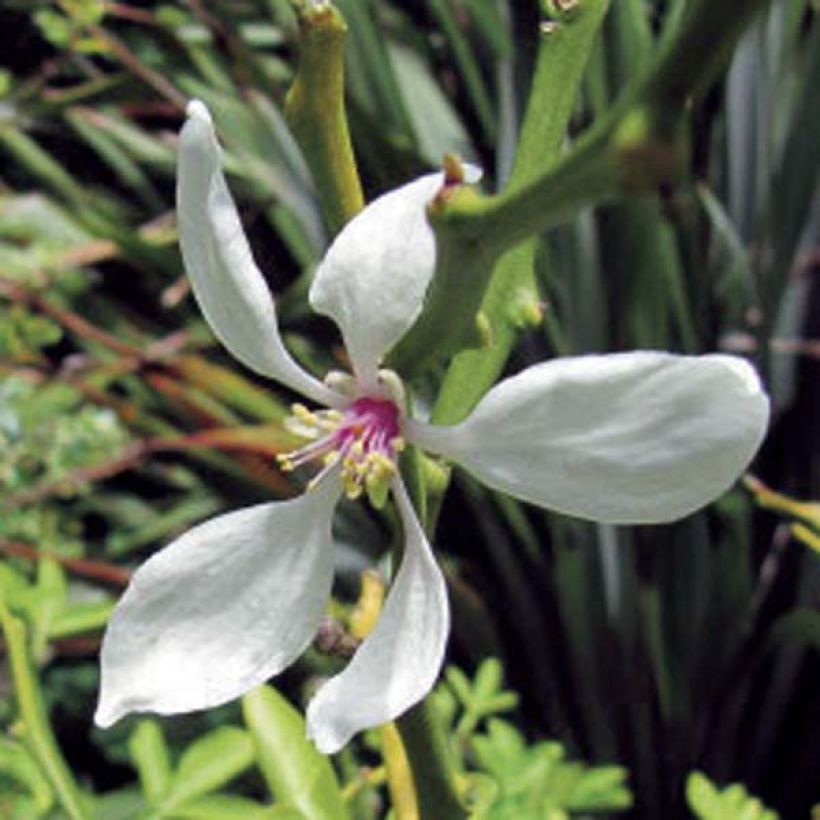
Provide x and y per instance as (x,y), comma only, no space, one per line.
(315,111)
(638,147)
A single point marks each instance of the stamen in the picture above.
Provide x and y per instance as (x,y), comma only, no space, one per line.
(330,462)
(303,422)
(365,438)
(290,461)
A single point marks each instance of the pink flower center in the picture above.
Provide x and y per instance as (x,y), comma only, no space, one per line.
(366,438)
(374,423)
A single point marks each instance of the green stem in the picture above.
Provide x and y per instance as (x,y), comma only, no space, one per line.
(560,65)
(425,743)
(637,147)
(431,761)
(512,301)
(633,149)
(37,734)
(315,111)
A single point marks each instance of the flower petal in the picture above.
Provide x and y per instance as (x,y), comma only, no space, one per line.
(374,276)
(223,608)
(399,662)
(227,284)
(627,438)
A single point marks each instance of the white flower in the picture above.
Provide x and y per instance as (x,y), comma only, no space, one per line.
(625,438)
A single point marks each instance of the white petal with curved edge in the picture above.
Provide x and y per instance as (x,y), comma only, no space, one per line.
(626,438)
(374,277)
(399,662)
(223,608)
(227,284)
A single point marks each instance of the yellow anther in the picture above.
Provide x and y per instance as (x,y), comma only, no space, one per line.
(302,427)
(316,479)
(309,424)
(329,420)
(382,462)
(377,485)
(352,490)
(361,469)
(301,412)
(285,463)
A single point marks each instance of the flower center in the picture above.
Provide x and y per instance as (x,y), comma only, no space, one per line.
(365,438)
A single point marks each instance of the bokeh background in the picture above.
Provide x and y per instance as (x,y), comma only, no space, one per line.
(662,650)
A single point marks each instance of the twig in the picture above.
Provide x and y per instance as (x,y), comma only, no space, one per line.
(254,452)
(128,459)
(124,12)
(68,319)
(135,356)
(95,570)
(150,77)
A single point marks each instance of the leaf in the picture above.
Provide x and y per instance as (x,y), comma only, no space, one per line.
(142,525)
(232,388)
(76,617)
(125,803)
(126,169)
(488,677)
(34,719)
(538,780)
(436,126)
(459,683)
(209,763)
(800,627)
(148,752)
(707,802)
(17,764)
(230,807)
(295,772)
(12,584)
(482,697)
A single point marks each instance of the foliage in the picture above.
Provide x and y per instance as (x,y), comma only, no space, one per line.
(539,782)
(508,777)
(48,434)
(708,802)
(666,649)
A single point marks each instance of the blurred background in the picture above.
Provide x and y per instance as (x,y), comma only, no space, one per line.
(661,650)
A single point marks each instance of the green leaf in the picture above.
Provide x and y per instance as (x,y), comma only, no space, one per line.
(148,752)
(800,627)
(209,763)
(12,584)
(538,781)
(467,62)
(230,807)
(76,617)
(707,802)
(126,169)
(487,682)
(480,698)
(118,805)
(34,719)
(459,683)
(295,772)
(17,764)
(436,126)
